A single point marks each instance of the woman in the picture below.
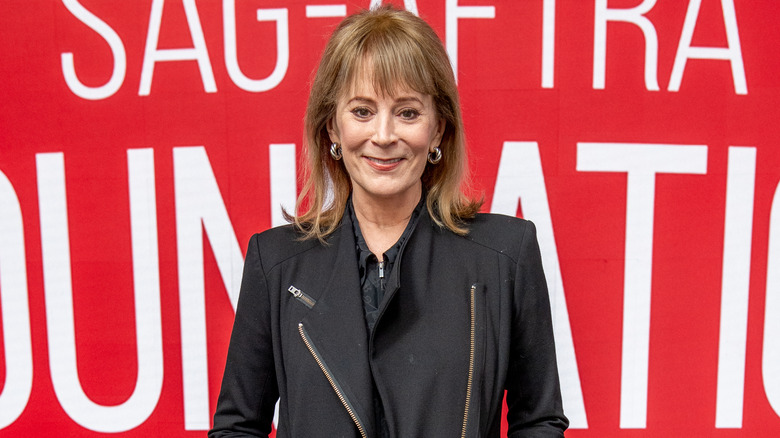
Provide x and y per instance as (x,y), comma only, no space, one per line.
(391,309)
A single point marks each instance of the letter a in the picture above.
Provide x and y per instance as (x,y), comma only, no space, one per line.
(198,53)
(520,177)
(732,53)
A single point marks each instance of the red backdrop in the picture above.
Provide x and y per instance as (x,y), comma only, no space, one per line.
(142,143)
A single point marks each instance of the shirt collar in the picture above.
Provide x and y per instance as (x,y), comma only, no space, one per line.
(391,254)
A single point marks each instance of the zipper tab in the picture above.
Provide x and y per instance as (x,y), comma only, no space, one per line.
(382,269)
(302,297)
(295,291)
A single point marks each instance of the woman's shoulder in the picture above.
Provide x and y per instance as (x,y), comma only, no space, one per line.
(505,234)
(280,243)
(278,234)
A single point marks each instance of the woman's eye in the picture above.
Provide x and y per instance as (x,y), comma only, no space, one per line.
(361,112)
(410,114)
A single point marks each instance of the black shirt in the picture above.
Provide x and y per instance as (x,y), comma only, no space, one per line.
(373,273)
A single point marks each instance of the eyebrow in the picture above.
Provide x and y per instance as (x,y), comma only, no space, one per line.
(409,99)
(402,100)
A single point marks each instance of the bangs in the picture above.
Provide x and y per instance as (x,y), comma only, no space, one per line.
(393,61)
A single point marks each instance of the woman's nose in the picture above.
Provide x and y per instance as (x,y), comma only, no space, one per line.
(384,129)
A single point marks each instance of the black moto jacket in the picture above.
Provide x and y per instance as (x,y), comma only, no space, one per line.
(465,318)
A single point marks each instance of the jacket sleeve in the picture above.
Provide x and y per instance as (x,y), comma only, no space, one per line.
(245,407)
(533,390)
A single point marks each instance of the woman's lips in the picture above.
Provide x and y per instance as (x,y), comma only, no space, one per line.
(383,164)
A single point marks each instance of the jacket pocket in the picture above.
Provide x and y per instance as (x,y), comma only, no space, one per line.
(331,380)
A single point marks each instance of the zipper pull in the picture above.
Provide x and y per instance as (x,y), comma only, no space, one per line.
(295,291)
(382,269)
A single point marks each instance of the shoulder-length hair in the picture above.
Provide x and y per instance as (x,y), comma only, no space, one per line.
(400,50)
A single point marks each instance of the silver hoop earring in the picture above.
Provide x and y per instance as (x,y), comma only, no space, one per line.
(335,151)
(434,156)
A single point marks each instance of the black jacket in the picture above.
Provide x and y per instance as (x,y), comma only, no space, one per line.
(465,318)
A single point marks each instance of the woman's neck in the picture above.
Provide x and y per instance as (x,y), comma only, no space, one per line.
(383,221)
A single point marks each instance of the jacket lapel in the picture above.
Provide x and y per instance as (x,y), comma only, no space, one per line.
(336,325)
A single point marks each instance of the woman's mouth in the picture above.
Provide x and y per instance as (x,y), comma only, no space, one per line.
(381,161)
(383,164)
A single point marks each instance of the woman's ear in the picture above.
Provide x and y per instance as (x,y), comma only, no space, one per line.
(332,131)
(439,133)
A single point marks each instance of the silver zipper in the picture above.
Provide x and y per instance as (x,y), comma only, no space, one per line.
(331,380)
(302,297)
(470,380)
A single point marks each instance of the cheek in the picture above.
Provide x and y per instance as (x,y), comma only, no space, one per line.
(421,148)
(426,138)
(351,133)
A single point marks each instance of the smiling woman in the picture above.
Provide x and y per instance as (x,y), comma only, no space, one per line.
(394,55)
(391,309)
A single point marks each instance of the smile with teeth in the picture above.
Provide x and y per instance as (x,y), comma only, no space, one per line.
(384,162)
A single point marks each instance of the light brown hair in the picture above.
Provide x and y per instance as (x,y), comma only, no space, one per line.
(400,50)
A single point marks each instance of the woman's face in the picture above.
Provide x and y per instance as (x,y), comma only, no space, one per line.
(385,140)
